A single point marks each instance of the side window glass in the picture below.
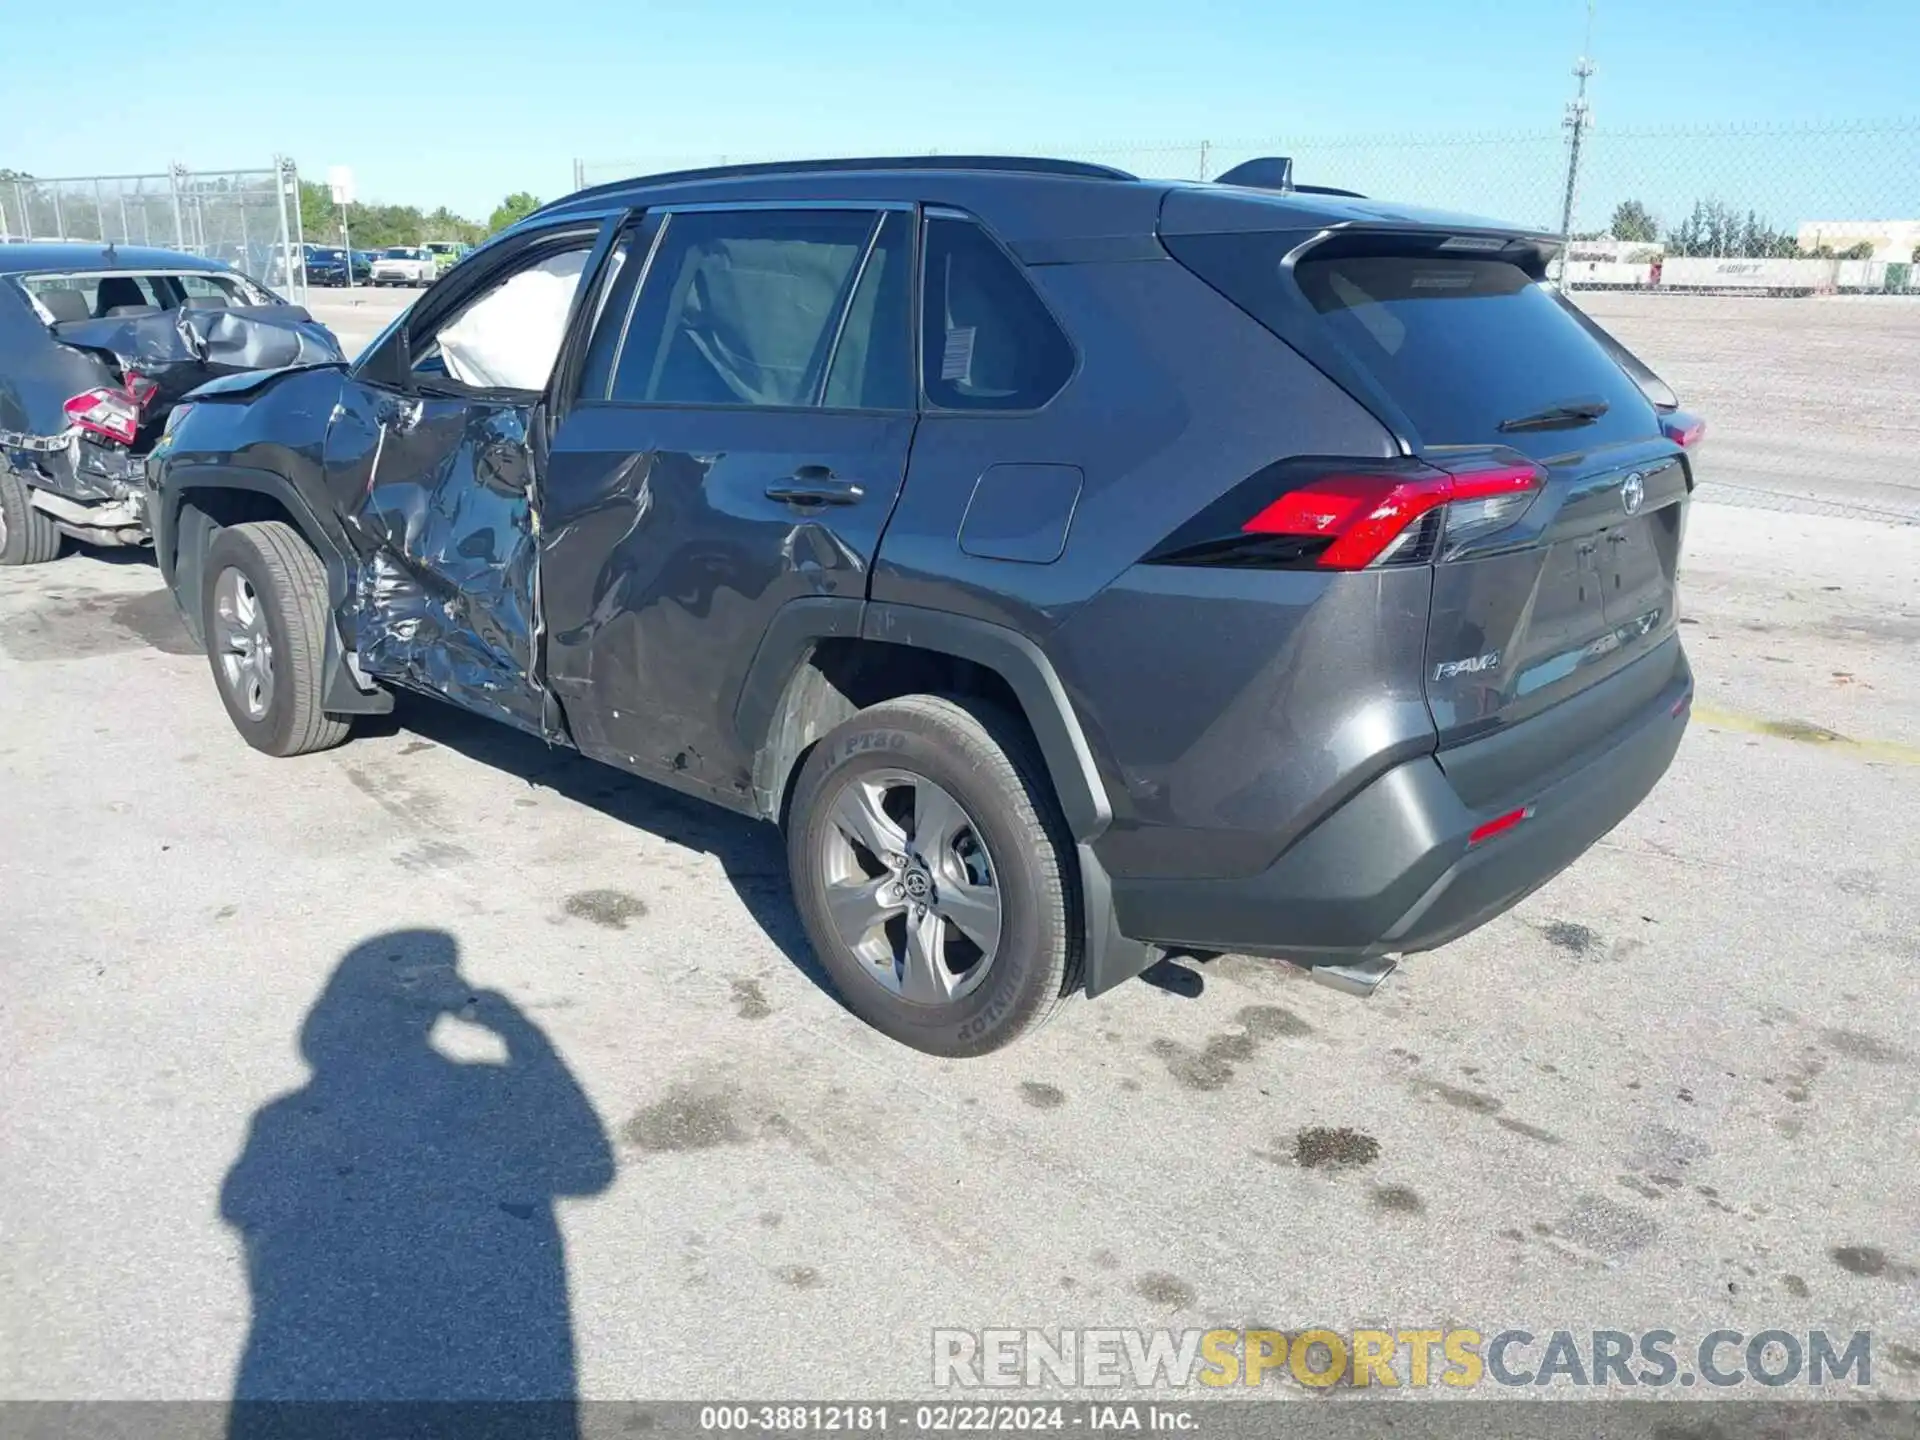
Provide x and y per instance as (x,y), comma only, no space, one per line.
(872,367)
(508,337)
(988,342)
(741,307)
(610,321)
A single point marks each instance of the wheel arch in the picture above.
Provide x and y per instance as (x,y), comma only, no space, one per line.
(825,658)
(199,501)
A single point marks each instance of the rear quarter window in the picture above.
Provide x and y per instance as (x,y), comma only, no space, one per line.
(1464,344)
(989,342)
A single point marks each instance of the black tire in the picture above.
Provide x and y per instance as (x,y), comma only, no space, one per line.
(290,586)
(985,762)
(30,536)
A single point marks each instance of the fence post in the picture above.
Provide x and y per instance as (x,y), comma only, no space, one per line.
(175,173)
(1203,159)
(281,168)
(59,218)
(299,223)
(26,215)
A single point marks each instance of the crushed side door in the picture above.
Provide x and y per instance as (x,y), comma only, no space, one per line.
(444,597)
(432,459)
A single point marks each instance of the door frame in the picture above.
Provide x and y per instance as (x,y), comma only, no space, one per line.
(386,369)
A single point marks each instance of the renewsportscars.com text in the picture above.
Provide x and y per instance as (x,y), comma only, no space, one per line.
(1413,1358)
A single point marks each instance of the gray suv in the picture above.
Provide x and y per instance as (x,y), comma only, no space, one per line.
(1076,566)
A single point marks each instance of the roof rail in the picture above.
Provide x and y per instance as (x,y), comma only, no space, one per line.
(1275,172)
(1016,164)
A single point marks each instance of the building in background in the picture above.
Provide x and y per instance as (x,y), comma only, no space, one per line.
(1891,239)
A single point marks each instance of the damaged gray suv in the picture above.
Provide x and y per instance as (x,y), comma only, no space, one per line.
(97,343)
(1076,566)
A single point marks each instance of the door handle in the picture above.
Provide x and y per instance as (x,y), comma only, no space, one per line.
(815,485)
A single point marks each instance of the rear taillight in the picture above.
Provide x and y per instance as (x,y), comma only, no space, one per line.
(1352,515)
(110,414)
(1499,825)
(1683,429)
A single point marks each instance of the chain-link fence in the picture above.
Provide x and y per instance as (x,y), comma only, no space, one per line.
(248,218)
(1643,198)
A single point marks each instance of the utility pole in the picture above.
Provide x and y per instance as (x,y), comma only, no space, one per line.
(1579,119)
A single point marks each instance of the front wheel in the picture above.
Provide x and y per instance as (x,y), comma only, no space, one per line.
(934,876)
(264,615)
(27,536)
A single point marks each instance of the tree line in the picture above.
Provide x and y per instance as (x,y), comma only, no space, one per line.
(1714,228)
(375,227)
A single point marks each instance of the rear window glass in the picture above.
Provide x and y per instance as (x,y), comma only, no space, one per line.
(1462,345)
(215,287)
(84,297)
(100,293)
(989,342)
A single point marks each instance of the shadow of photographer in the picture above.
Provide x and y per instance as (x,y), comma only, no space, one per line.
(397,1212)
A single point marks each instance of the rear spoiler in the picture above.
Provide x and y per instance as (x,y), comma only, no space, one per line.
(1275,172)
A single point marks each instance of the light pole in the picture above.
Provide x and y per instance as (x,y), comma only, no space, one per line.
(1579,117)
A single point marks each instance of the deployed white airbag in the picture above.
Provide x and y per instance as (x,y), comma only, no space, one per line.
(510,337)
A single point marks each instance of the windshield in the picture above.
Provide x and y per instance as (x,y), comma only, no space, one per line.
(400,252)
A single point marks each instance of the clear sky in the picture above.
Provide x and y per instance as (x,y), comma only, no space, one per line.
(459,101)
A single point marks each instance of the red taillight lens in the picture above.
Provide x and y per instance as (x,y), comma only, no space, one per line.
(1371,517)
(1499,825)
(112,414)
(1683,429)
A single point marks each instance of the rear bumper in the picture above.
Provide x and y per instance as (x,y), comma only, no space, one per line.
(1392,870)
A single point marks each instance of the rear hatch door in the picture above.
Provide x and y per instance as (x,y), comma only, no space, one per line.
(1473,354)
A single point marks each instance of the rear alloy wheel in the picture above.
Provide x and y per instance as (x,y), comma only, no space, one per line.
(263,613)
(909,886)
(934,876)
(27,536)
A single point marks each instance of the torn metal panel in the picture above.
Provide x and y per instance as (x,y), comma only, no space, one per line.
(179,349)
(80,469)
(445,599)
(176,350)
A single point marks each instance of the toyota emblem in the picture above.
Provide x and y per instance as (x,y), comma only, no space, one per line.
(1633,492)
